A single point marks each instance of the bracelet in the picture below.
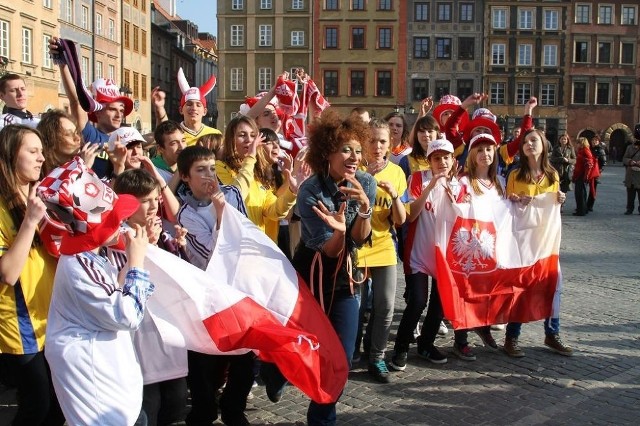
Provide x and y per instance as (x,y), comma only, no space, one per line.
(367,214)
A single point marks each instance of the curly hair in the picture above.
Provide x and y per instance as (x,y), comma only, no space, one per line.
(329,133)
(231,157)
(50,127)
(524,173)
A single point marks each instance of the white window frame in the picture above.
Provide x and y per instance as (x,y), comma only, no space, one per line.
(631,42)
(111,73)
(99,70)
(500,14)
(551,19)
(595,99)
(607,19)
(499,49)
(525,55)
(297,38)
(545,90)
(69,11)
(265,35)
(84,68)
(630,83)
(237,80)
(586,92)
(46,58)
(521,92)
(237,35)
(5,38)
(526,19)
(47,4)
(575,42)
(266,4)
(624,20)
(265,79)
(99,24)
(550,55)
(112,29)
(598,59)
(580,6)
(495,89)
(237,4)
(27,45)
(85,18)
(297,4)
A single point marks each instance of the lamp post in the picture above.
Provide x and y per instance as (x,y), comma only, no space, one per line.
(125,91)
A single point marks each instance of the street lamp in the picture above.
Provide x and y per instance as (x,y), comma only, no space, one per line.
(396,108)
(125,91)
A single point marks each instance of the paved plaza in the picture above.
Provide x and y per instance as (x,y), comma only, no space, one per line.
(600,319)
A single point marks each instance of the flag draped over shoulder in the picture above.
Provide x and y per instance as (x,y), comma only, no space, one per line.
(249,298)
(497,261)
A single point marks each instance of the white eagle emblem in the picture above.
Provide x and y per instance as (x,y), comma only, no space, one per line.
(473,249)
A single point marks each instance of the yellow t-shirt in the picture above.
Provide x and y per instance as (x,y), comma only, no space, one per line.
(532,189)
(382,251)
(192,137)
(24,307)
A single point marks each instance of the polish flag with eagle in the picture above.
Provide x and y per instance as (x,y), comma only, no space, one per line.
(497,261)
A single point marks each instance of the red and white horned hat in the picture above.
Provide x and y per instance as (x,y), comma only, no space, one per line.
(194,93)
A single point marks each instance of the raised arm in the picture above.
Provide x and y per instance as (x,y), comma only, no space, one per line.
(80,116)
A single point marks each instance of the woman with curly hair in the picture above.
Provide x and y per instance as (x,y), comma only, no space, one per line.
(399,136)
(241,168)
(335,206)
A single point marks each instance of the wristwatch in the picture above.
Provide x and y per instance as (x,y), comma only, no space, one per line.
(367,214)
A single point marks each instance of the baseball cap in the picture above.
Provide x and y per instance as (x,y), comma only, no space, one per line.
(439,145)
(482,138)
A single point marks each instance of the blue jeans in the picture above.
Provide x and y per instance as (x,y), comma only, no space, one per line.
(344,318)
(551,327)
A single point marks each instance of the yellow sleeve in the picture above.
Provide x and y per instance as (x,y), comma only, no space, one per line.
(277,208)
(511,184)
(242,179)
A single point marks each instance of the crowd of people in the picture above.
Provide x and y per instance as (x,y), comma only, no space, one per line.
(82,196)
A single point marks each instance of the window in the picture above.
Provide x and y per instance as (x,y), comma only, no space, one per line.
(330,83)
(465,88)
(466,48)
(384,5)
(297,38)
(525,19)
(498,54)
(443,48)
(581,53)
(604,52)
(357,83)
(547,94)
(624,97)
(136,85)
(112,29)
(264,79)
(442,88)
(497,93)
(551,20)
(85,18)
(4,38)
(46,3)
(237,80)
(466,12)
(297,4)
(126,28)
(524,54)
(99,70)
(265,32)
(265,4)
(98,24)
(384,38)
(69,10)
(383,83)
(136,38)
(331,4)
(330,38)
(605,14)
(626,53)
(143,42)
(84,68)
(602,93)
(419,88)
(444,12)
(550,55)
(499,18)
(421,47)
(27,37)
(421,12)
(46,58)
(523,93)
(629,15)
(143,5)
(357,38)
(583,13)
(112,72)
(579,92)
(237,35)
(237,4)
(357,4)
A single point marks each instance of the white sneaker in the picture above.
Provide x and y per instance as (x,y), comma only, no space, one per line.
(442,330)
(497,327)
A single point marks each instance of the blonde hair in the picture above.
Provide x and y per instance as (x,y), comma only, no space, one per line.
(472,169)
(583,142)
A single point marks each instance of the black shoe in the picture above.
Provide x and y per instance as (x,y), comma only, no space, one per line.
(379,371)
(431,353)
(628,212)
(235,420)
(399,361)
(274,381)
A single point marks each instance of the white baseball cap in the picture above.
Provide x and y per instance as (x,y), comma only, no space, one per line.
(482,138)
(439,145)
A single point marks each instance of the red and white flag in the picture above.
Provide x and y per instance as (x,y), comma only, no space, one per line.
(497,261)
(249,298)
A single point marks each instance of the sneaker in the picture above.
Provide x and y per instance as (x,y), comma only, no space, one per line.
(399,361)
(553,342)
(442,330)
(380,372)
(431,354)
(628,212)
(274,381)
(497,327)
(512,348)
(485,335)
(464,352)
(356,358)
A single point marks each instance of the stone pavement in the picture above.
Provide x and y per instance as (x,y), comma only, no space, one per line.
(600,384)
